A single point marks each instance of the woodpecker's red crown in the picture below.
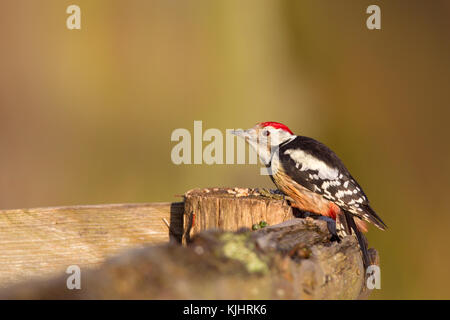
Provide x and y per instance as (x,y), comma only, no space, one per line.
(275,125)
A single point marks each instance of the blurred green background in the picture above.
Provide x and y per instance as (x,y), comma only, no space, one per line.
(86,116)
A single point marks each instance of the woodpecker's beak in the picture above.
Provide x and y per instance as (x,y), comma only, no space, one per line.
(244,134)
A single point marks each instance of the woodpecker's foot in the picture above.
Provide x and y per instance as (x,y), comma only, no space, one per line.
(273,194)
(331,224)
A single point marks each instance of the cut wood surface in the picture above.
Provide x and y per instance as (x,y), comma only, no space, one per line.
(294,260)
(39,242)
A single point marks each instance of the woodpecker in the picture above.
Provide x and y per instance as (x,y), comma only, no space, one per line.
(314,178)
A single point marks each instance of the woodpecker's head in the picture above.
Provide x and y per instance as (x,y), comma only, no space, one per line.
(265,137)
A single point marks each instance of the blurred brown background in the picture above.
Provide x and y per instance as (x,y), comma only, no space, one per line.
(86,116)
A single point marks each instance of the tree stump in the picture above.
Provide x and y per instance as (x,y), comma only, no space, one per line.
(230,209)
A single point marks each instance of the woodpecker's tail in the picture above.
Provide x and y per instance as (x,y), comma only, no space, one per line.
(345,225)
(373,217)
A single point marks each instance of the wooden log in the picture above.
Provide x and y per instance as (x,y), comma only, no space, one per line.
(230,209)
(39,242)
(294,260)
(44,241)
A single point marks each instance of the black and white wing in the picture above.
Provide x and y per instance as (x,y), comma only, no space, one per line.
(316,167)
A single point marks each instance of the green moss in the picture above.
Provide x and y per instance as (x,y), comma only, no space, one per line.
(237,247)
(260,225)
(256,226)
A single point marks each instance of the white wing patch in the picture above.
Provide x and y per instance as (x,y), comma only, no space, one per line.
(309,162)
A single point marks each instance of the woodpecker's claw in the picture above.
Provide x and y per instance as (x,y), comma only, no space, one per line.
(272,194)
(276,191)
(331,224)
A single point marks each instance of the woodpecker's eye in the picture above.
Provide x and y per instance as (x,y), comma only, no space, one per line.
(266,133)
